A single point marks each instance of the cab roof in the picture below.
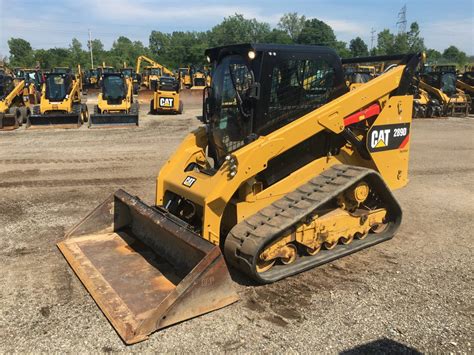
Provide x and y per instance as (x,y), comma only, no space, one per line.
(243,49)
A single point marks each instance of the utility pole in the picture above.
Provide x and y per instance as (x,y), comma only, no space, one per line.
(90,49)
(402,20)
(372,38)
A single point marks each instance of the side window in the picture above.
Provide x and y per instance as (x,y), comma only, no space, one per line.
(298,87)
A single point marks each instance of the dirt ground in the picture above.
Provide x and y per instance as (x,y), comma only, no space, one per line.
(412,293)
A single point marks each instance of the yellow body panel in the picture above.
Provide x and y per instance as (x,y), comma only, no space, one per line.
(214,193)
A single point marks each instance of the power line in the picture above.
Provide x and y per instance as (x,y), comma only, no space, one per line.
(402,20)
(372,38)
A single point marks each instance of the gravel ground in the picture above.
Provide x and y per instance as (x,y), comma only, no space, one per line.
(413,293)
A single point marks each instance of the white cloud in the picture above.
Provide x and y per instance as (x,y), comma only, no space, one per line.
(441,34)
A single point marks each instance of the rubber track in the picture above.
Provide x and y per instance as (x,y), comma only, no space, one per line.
(248,239)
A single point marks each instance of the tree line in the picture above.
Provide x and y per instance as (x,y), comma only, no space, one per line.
(186,48)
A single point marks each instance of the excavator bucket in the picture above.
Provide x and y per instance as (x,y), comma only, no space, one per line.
(56,120)
(144,268)
(113,120)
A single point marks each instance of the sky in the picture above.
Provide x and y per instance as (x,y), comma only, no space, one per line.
(53,23)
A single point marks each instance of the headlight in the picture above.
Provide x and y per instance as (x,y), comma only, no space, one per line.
(251,54)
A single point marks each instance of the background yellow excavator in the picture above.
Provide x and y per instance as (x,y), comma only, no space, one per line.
(60,104)
(286,174)
(151,73)
(115,104)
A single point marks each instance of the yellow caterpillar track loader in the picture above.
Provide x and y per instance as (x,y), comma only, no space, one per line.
(14,102)
(166,96)
(115,106)
(60,104)
(285,175)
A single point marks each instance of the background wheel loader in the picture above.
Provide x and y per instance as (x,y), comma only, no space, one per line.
(166,96)
(115,106)
(287,174)
(60,104)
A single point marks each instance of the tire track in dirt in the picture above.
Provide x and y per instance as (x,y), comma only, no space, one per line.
(73,161)
(72,182)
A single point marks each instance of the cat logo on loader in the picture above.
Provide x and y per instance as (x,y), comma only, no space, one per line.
(166,102)
(379,138)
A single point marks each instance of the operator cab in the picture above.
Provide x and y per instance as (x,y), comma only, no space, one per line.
(259,88)
(57,86)
(168,83)
(114,88)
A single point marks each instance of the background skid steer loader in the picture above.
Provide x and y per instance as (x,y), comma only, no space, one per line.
(60,104)
(277,193)
(166,96)
(115,106)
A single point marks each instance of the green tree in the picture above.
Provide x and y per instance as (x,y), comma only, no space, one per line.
(358,48)
(278,36)
(433,56)
(341,49)
(318,32)
(77,55)
(385,42)
(21,53)
(415,42)
(237,29)
(400,44)
(292,24)
(453,54)
(158,42)
(98,52)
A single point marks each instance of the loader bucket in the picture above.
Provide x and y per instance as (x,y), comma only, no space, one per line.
(54,120)
(144,268)
(113,120)
(9,121)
